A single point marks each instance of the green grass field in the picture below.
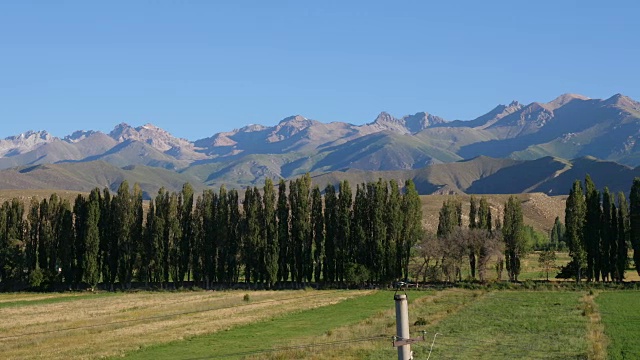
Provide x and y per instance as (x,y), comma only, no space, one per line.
(332,324)
(315,323)
(620,311)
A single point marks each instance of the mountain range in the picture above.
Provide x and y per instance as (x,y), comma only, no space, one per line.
(544,142)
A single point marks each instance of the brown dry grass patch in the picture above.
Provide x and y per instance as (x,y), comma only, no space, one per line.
(113,325)
(596,338)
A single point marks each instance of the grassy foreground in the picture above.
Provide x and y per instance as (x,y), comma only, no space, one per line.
(88,327)
(620,312)
(255,338)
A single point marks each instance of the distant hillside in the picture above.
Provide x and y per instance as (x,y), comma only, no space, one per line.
(568,127)
(485,175)
(83,177)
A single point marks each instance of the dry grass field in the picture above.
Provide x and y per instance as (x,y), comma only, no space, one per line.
(99,326)
(539,210)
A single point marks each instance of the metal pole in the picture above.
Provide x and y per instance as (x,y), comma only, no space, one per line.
(402,326)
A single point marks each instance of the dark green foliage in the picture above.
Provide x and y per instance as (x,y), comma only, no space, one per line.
(448,217)
(606,236)
(512,232)
(185,204)
(343,248)
(591,229)
(284,246)
(622,236)
(318,232)
(575,213)
(331,224)
(557,233)
(634,220)
(412,224)
(294,235)
(270,234)
(393,243)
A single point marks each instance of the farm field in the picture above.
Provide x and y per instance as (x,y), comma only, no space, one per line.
(471,324)
(621,318)
(93,326)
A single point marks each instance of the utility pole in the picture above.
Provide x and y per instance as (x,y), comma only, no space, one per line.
(402,340)
(402,326)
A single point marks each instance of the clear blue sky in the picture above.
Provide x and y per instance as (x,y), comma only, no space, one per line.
(200,67)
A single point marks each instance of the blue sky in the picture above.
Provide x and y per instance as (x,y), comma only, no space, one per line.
(196,68)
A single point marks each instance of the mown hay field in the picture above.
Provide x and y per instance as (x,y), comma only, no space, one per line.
(327,324)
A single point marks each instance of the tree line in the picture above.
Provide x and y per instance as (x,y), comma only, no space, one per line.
(599,228)
(485,240)
(292,232)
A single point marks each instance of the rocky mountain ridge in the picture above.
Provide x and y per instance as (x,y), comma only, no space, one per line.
(570,126)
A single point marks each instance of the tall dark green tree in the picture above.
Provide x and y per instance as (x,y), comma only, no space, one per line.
(575,215)
(233,253)
(122,207)
(270,233)
(345,203)
(393,218)
(634,220)
(222,235)
(300,202)
(284,247)
(448,217)
(591,229)
(252,236)
(317,228)
(484,220)
(515,245)
(413,232)
(557,233)
(623,236)
(108,240)
(186,231)
(91,239)
(331,231)
(606,234)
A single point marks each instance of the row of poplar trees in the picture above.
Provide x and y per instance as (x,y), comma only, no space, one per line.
(483,239)
(272,235)
(598,228)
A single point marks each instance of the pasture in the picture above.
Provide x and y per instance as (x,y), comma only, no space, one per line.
(327,324)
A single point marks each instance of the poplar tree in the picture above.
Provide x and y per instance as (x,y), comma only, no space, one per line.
(231,259)
(31,248)
(208,237)
(108,240)
(575,214)
(606,235)
(557,232)
(123,221)
(393,243)
(412,223)
(591,229)
(473,224)
(284,247)
(91,241)
(299,200)
(172,235)
(317,227)
(270,234)
(623,236)
(515,246)
(186,231)
(331,224)
(345,202)
(222,235)
(251,235)
(634,220)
